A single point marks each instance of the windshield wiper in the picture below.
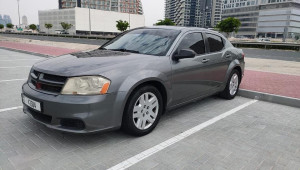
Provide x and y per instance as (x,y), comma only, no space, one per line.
(102,48)
(125,50)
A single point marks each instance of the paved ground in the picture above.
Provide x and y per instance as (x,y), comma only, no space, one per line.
(259,136)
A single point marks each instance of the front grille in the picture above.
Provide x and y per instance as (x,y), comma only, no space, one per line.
(47,82)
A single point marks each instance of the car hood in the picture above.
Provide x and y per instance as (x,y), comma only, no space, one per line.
(90,63)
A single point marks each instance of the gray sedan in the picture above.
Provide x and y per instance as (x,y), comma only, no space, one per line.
(132,80)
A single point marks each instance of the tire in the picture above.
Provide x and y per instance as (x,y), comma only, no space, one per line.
(141,117)
(232,86)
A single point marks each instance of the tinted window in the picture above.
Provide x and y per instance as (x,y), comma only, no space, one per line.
(144,41)
(215,43)
(193,41)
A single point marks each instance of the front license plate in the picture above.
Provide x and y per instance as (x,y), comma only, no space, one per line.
(32,103)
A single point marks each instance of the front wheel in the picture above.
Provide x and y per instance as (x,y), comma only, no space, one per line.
(143,111)
(232,85)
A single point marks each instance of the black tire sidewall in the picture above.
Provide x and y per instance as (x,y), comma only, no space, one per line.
(226,93)
(127,123)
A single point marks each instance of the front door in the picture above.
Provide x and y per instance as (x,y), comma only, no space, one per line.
(189,78)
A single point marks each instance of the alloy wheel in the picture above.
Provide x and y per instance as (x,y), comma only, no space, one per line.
(234,83)
(145,110)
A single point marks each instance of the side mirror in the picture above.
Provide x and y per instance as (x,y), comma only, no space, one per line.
(184,53)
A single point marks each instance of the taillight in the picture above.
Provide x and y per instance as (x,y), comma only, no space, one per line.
(243,55)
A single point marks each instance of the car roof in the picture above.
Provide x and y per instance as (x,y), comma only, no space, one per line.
(181,28)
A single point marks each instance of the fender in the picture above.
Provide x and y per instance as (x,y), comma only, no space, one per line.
(231,66)
(136,79)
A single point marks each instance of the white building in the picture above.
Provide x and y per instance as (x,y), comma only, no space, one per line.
(101,21)
(24,21)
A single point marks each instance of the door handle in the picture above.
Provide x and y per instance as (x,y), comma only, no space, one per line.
(228,55)
(205,60)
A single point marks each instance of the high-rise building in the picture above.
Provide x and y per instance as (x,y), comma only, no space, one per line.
(125,6)
(1,20)
(265,18)
(24,21)
(195,13)
(5,19)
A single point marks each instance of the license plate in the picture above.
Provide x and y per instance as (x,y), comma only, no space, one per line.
(32,103)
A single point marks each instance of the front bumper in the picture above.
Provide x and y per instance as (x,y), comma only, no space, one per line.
(77,114)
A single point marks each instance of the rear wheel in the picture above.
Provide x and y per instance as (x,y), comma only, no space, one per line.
(143,111)
(232,85)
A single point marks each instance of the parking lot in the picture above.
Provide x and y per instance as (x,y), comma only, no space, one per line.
(209,134)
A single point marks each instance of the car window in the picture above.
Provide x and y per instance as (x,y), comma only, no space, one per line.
(144,41)
(193,41)
(215,42)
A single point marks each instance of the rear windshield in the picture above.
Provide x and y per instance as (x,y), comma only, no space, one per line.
(144,41)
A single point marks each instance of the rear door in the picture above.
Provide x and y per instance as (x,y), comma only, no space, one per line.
(218,60)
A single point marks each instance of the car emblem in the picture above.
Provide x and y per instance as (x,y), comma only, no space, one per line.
(38,84)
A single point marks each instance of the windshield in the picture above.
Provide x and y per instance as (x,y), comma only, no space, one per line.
(144,41)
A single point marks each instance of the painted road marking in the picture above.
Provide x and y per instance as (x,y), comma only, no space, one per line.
(151,151)
(12,108)
(16,67)
(1,81)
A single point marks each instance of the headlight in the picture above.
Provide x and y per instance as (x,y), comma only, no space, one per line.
(86,85)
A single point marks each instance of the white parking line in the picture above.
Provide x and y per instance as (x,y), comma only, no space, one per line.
(12,108)
(139,157)
(20,60)
(16,67)
(1,81)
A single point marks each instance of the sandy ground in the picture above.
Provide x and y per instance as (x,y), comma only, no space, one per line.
(81,47)
(274,66)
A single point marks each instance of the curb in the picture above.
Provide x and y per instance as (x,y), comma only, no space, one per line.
(288,101)
(26,52)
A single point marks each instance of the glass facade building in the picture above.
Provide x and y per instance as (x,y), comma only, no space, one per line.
(193,13)
(265,18)
(5,20)
(125,6)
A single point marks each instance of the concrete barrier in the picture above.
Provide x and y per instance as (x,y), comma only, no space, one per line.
(103,37)
(267,45)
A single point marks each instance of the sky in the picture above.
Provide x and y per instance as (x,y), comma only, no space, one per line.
(153,9)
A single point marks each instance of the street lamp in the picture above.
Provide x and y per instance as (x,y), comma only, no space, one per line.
(19,11)
(90,17)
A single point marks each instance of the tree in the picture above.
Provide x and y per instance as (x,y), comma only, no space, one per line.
(122,25)
(48,26)
(1,26)
(9,25)
(32,26)
(229,25)
(66,26)
(166,21)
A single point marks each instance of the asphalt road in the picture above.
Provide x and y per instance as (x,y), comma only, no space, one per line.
(274,54)
(209,134)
